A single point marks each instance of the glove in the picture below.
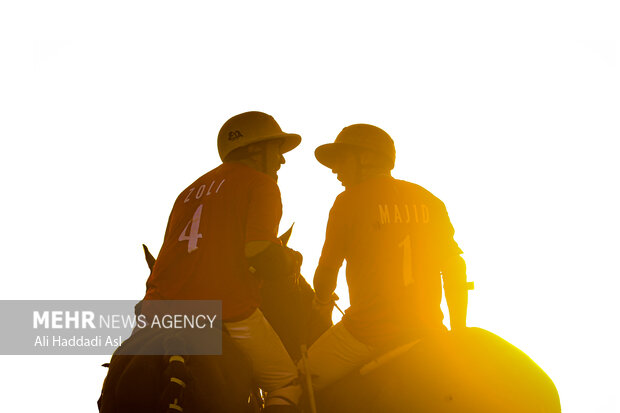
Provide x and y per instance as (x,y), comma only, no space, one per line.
(294,258)
(275,262)
(324,309)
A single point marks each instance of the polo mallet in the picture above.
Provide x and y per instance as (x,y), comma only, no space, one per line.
(284,238)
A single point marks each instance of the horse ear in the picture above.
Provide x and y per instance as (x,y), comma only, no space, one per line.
(150,260)
(286,236)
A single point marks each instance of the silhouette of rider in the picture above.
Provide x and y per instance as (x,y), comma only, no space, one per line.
(398,241)
(221,239)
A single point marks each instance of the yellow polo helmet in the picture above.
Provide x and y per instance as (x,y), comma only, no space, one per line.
(362,136)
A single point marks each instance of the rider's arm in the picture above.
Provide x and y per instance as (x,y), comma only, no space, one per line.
(325,279)
(453,272)
(455,285)
(267,257)
(333,253)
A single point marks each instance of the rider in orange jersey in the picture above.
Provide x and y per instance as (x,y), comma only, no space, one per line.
(221,239)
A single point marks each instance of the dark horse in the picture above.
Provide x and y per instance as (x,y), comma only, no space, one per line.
(471,370)
(177,382)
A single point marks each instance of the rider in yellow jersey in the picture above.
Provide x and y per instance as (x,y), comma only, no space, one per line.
(398,242)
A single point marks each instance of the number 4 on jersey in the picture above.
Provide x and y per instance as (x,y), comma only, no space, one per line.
(193,235)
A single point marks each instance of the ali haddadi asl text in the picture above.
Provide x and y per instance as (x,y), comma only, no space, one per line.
(77,341)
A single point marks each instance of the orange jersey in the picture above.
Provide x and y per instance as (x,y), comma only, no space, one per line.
(203,254)
(395,236)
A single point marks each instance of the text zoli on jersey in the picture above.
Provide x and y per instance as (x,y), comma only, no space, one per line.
(201,190)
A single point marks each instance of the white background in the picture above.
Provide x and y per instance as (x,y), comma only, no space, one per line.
(507,111)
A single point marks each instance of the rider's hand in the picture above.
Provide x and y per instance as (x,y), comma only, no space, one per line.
(324,308)
(295,258)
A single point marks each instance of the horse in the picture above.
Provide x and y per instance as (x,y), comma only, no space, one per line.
(177,383)
(207,383)
(467,370)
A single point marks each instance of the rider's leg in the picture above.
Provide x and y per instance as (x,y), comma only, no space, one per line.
(335,354)
(274,371)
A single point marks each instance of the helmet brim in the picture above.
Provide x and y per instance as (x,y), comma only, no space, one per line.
(289,141)
(331,153)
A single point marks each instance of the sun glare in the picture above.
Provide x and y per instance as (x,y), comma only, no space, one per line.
(508,113)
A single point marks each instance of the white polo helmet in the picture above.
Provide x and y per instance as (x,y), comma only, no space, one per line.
(252,127)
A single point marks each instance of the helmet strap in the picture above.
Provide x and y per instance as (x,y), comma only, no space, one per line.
(257,157)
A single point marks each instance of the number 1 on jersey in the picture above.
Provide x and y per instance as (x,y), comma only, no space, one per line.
(407,261)
(193,235)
